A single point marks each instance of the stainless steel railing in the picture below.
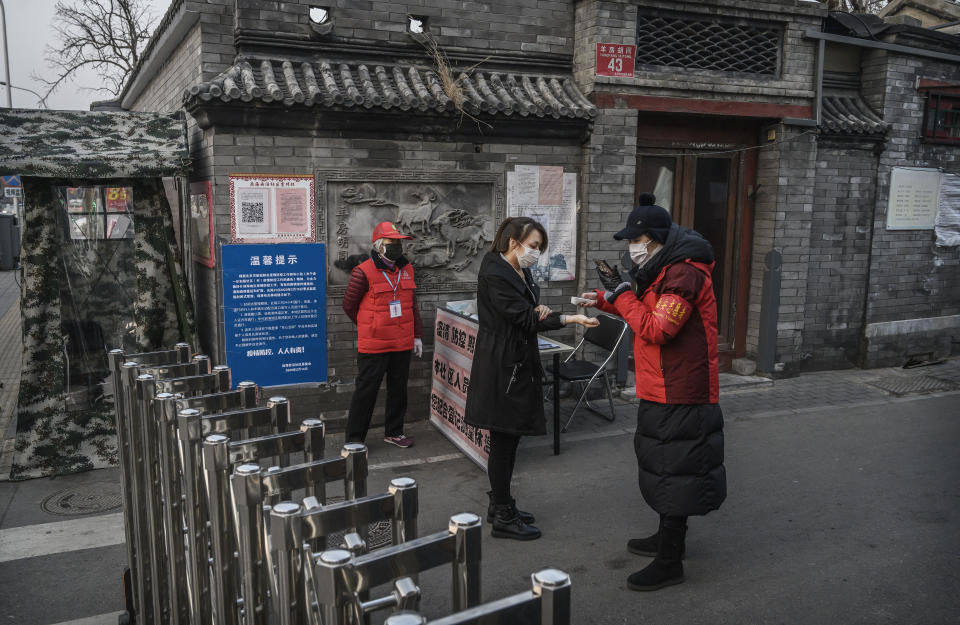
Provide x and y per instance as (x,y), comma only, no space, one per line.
(228,522)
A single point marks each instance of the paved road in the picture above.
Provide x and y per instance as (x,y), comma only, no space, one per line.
(835,515)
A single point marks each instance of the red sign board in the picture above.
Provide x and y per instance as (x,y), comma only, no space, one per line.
(614,59)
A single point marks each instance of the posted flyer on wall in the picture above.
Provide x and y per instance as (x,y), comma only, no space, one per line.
(267,208)
(274,300)
(549,195)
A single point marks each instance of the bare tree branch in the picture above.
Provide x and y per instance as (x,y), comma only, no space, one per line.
(106,35)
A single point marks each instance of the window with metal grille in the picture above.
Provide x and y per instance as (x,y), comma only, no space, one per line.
(707,45)
(942,119)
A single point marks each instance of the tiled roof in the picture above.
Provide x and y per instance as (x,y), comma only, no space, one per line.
(363,86)
(848,114)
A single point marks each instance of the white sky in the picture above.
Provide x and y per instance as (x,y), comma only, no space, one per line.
(30,32)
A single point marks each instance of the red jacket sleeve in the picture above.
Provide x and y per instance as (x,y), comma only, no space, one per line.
(681,284)
(356,290)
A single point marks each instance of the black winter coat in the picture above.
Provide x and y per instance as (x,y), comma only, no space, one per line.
(680,456)
(505,381)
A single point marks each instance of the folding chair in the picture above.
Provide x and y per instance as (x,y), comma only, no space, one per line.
(606,336)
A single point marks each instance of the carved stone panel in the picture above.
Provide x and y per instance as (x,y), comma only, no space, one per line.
(451,215)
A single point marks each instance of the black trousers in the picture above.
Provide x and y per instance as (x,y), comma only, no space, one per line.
(500,463)
(372,367)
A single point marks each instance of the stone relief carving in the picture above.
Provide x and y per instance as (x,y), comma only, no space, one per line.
(451,215)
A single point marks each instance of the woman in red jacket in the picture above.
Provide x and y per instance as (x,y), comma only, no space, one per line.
(381,299)
(679,439)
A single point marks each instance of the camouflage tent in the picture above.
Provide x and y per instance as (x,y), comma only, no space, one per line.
(100,270)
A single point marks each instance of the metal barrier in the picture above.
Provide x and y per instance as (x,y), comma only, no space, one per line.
(256,492)
(116,357)
(219,455)
(223,528)
(192,424)
(171,602)
(400,504)
(340,578)
(546,603)
(135,391)
(166,405)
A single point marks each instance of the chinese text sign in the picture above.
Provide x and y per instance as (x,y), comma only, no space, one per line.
(455,339)
(274,299)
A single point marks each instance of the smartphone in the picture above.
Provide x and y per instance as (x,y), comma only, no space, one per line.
(605,269)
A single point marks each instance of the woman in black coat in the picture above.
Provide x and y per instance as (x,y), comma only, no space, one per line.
(505,393)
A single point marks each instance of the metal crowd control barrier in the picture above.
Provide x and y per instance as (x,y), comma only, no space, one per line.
(191,379)
(165,407)
(219,454)
(213,538)
(116,357)
(254,491)
(340,578)
(151,585)
(400,505)
(192,424)
(169,599)
(547,603)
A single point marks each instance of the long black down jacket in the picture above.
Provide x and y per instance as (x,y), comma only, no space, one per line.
(505,381)
(680,455)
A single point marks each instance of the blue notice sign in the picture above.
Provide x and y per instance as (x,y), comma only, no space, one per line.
(274,300)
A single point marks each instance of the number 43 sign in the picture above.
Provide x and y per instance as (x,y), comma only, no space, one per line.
(614,59)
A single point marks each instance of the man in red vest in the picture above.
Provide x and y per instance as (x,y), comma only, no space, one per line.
(381,299)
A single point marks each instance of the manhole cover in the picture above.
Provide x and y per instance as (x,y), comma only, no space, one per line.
(378,534)
(903,385)
(83,500)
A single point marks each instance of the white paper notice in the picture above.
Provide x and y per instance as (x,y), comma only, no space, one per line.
(948,215)
(914,195)
(272,208)
(550,196)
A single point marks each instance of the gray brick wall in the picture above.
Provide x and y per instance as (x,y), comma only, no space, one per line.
(205,51)
(182,69)
(783,212)
(610,161)
(840,233)
(910,277)
(520,26)
(614,21)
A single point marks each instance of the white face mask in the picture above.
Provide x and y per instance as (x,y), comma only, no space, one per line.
(529,256)
(638,252)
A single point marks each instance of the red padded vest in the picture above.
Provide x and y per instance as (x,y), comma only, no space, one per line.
(376,331)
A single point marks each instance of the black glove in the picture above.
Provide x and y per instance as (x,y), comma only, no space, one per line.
(612,295)
(610,282)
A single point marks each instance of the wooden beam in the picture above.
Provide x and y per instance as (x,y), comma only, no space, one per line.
(730,108)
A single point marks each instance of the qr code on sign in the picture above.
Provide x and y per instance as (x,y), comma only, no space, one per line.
(251,212)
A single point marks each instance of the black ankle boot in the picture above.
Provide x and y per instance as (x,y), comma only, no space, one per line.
(667,568)
(526,517)
(508,524)
(648,546)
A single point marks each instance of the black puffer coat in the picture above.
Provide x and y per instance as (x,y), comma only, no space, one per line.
(680,456)
(505,381)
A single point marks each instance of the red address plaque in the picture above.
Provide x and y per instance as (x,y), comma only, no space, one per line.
(614,59)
